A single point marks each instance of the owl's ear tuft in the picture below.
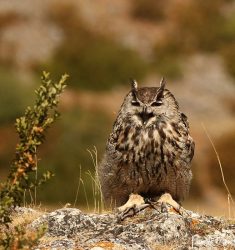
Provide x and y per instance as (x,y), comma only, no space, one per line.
(134,85)
(161,88)
(162,83)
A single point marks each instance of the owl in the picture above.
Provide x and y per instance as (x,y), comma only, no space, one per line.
(149,150)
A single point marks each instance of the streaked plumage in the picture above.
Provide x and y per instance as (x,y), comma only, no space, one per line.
(149,150)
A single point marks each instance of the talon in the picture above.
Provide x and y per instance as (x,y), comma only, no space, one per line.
(134,205)
(167,198)
(134,199)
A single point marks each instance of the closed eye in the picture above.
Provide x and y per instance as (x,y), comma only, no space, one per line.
(135,103)
(156,103)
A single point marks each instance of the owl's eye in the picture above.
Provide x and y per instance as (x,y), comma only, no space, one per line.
(156,103)
(135,103)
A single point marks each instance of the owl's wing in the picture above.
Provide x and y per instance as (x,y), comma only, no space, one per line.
(113,138)
(109,164)
(115,133)
(185,120)
(190,144)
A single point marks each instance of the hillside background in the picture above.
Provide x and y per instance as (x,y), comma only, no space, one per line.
(101,44)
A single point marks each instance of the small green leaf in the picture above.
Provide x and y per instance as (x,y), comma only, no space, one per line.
(31,130)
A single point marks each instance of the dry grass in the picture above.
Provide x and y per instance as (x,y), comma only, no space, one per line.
(231,203)
(19,235)
(98,205)
(97,193)
(25,218)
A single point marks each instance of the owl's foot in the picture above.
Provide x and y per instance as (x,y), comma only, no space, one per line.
(134,205)
(167,199)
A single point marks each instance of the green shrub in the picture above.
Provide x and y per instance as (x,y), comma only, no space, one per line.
(31,130)
(21,238)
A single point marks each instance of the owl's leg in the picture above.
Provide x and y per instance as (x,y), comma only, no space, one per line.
(134,205)
(166,198)
(134,200)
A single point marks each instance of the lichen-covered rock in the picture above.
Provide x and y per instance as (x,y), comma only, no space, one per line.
(23,210)
(65,243)
(72,229)
(223,239)
(62,222)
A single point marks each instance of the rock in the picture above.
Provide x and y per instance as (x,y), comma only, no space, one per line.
(62,222)
(67,244)
(72,229)
(23,210)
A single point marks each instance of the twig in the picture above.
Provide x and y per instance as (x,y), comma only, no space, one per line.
(221,168)
(79,182)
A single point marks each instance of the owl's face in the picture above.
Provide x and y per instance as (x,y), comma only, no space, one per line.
(148,105)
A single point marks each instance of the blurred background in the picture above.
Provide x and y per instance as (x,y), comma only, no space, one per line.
(100,44)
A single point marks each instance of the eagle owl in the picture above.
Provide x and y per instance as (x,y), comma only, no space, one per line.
(149,150)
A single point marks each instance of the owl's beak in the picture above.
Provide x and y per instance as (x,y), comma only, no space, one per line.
(145,116)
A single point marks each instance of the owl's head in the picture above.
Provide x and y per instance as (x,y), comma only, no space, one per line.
(145,106)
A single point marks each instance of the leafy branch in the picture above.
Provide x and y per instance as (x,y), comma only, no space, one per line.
(31,129)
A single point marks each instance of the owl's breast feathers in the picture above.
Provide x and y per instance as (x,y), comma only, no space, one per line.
(163,143)
(149,150)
